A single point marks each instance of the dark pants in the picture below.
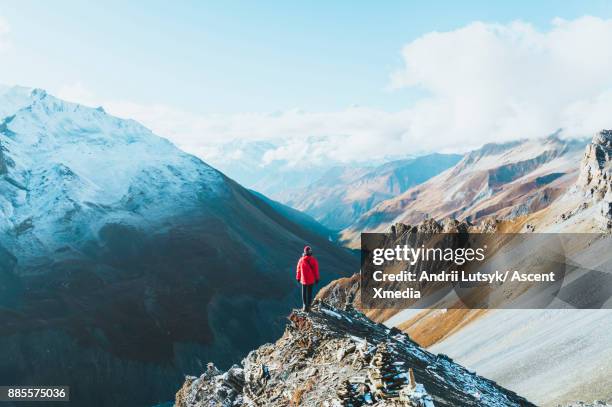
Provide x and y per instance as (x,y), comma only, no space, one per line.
(307,295)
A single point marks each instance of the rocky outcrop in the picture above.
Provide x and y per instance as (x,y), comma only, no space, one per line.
(595,179)
(344,292)
(331,357)
(596,169)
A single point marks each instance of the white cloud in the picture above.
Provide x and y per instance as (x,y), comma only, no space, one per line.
(4,34)
(485,82)
(496,81)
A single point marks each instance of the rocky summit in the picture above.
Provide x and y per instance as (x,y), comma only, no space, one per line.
(597,166)
(332,357)
(596,174)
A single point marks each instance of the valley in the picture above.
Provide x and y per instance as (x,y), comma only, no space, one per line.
(503,344)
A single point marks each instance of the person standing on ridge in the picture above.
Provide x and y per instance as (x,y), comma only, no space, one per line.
(307,274)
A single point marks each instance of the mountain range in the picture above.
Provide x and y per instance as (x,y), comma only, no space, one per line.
(248,162)
(567,351)
(501,181)
(334,193)
(129,259)
(550,356)
(344,193)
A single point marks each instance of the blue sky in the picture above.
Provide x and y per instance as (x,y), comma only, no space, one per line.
(242,56)
(324,81)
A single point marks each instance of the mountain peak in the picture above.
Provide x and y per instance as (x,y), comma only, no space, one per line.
(38,93)
(596,169)
(595,179)
(70,157)
(603,138)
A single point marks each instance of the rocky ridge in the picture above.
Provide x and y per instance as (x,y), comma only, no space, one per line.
(332,357)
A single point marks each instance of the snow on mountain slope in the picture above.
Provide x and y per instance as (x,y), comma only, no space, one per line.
(242,160)
(126,258)
(343,194)
(13,98)
(59,159)
(500,180)
(252,164)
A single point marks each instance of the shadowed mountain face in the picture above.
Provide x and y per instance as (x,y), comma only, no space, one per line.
(126,263)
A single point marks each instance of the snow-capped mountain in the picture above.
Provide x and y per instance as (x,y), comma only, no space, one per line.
(262,165)
(249,163)
(64,164)
(123,257)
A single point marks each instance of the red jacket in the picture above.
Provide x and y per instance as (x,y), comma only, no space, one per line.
(307,270)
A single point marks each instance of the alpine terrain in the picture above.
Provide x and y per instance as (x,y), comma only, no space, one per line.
(125,262)
(338,357)
(498,180)
(253,164)
(567,350)
(547,186)
(345,193)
